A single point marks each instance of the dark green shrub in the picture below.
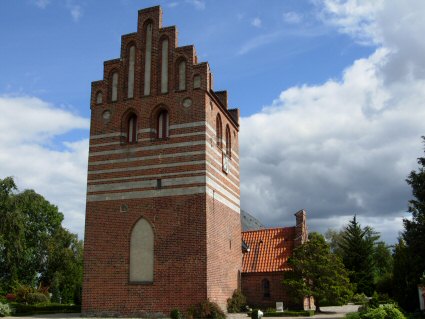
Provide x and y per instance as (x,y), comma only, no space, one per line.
(237,303)
(374,301)
(21,292)
(359,299)
(206,310)
(37,297)
(29,295)
(353,315)
(254,314)
(176,314)
(381,312)
(25,310)
(393,312)
(270,310)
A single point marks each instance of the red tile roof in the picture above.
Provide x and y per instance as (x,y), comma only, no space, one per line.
(269,249)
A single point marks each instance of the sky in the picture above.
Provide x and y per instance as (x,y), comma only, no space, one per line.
(331,94)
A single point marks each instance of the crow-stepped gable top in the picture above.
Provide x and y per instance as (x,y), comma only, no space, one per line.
(152,64)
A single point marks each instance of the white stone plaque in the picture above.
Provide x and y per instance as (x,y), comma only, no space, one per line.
(226,164)
(279,306)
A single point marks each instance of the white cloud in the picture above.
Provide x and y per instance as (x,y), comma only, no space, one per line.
(198,4)
(28,127)
(358,18)
(292,17)
(41,3)
(172,4)
(344,147)
(75,10)
(256,22)
(259,41)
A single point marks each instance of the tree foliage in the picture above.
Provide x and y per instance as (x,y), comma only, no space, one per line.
(358,255)
(319,273)
(33,243)
(409,270)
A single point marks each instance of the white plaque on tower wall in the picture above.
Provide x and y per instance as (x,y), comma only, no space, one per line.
(226,164)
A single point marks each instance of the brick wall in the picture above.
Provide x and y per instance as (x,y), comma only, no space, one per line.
(176,183)
(253,290)
(179,256)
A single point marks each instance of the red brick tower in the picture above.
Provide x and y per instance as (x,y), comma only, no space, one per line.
(162,220)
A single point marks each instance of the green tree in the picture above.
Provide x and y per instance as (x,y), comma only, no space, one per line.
(64,267)
(414,236)
(334,239)
(11,234)
(358,255)
(34,247)
(403,277)
(381,256)
(319,273)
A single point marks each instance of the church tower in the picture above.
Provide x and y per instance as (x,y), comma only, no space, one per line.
(163,211)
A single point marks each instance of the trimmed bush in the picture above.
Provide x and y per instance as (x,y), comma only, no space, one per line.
(29,295)
(176,314)
(359,299)
(206,310)
(237,303)
(37,297)
(22,309)
(4,310)
(382,312)
(254,314)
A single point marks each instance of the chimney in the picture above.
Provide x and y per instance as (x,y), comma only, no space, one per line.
(301,231)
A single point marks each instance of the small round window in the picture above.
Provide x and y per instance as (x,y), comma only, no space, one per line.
(106,116)
(187,102)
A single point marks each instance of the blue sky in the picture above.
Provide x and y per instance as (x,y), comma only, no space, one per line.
(331,96)
(54,49)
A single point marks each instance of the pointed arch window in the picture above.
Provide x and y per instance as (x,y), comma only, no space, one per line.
(132,129)
(142,252)
(130,78)
(265,285)
(114,87)
(163,124)
(164,66)
(228,142)
(219,130)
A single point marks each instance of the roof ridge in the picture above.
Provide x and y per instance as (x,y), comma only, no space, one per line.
(264,229)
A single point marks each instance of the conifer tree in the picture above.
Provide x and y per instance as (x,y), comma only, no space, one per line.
(357,247)
(319,273)
(414,234)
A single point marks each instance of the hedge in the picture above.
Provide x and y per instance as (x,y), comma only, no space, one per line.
(27,310)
